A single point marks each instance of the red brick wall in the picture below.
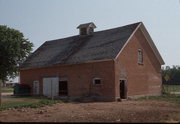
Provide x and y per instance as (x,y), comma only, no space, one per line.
(80,78)
(141,79)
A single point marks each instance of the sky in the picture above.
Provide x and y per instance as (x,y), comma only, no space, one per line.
(43,20)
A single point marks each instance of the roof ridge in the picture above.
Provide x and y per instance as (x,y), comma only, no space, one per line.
(118,27)
(93,33)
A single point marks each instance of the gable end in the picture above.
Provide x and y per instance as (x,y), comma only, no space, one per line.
(149,40)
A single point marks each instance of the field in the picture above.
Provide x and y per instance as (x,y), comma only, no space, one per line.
(151,109)
(172,88)
(165,108)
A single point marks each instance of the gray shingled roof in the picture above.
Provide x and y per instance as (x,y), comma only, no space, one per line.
(100,45)
(87,25)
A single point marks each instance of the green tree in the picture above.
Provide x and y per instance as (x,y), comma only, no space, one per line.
(174,74)
(14,49)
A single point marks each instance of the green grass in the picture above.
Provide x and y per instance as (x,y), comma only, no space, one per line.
(7,89)
(26,102)
(165,97)
(172,88)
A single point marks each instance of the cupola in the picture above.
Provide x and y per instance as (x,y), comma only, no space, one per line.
(86,29)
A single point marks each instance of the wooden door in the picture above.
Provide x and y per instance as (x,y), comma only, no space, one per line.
(123,89)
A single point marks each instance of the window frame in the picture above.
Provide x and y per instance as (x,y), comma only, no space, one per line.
(94,79)
(140,56)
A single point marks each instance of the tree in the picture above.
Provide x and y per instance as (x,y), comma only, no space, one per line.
(14,49)
(174,74)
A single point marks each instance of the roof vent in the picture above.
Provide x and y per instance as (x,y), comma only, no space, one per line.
(86,29)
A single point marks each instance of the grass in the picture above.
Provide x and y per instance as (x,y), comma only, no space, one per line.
(172,88)
(7,89)
(26,102)
(34,102)
(165,97)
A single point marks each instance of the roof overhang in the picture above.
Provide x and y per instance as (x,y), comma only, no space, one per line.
(151,43)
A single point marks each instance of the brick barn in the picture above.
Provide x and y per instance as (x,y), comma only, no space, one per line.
(111,64)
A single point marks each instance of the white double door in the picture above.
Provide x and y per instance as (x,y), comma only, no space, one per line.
(51,86)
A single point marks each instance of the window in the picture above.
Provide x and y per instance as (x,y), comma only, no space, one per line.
(140,56)
(97,81)
(83,31)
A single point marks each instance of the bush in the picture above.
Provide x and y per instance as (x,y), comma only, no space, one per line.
(21,89)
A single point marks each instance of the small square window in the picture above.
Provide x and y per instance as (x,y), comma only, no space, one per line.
(97,81)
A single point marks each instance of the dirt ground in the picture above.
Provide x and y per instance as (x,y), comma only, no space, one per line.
(126,111)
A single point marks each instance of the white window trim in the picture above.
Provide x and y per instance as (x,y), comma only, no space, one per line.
(97,79)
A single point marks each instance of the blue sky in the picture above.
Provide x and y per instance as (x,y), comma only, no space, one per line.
(42,20)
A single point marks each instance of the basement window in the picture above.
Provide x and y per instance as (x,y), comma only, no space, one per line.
(97,81)
(140,56)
